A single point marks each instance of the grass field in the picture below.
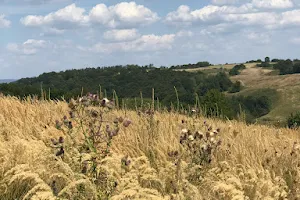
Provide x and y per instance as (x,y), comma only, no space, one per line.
(256,78)
(245,162)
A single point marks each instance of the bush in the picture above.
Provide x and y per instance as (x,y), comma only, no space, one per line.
(236,69)
(294,120)
(236,87)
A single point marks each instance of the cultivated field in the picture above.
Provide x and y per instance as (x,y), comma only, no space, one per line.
(151,156)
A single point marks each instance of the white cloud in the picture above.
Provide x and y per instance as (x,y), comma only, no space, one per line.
(121,35)
(271,4)
(244,15)
(48,31)
(290,18)
(224,2)
(121,15)
(208,14)
(184,33)
(259,38)
(4,23)
(65,18)
(144,43)
(29,47)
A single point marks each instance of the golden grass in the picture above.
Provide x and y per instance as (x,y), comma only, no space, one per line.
(253,162)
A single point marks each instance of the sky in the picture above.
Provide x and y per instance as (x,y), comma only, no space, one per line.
(38,36)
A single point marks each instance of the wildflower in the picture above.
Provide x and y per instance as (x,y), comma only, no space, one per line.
(127,122)
(125,161)
(120,119)
(54,142)
(61,140)
(212,134)
(66,121)
(212,140)
(115,132)
(58,124)
(191,138)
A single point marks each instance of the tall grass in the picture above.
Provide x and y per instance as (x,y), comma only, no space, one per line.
(146,161)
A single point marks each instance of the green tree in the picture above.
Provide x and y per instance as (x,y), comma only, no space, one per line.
(267,59)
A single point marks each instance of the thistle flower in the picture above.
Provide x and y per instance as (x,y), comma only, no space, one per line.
(54,142)
(120,119)
(125,161)
(58,124)
(127,122)
(61,140)
(66,121)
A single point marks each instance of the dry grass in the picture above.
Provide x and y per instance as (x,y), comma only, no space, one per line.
(288,87)
(253,162)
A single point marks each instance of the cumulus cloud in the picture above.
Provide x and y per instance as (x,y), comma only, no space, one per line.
(4,23)
(246,14)
(29,47)
(65,18)
(142,44)
(271,4)
(122,15)
(208,14)
(121,35)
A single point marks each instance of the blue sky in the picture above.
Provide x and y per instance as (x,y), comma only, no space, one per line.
(53,35)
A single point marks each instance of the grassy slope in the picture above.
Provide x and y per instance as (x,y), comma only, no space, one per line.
(254,78)
(253,162)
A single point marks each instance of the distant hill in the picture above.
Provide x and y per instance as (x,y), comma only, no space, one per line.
(7,80)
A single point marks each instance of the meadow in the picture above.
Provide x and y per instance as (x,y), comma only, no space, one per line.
(81,150)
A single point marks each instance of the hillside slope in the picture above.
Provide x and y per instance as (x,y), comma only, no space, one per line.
(251,162)
(287,86)
(255,78)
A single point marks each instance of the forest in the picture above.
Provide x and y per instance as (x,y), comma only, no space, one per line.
(131,82)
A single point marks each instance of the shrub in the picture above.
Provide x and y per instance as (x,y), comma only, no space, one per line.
(293,120)
(236,69)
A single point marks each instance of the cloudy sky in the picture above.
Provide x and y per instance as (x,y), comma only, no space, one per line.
(52,35)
